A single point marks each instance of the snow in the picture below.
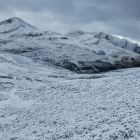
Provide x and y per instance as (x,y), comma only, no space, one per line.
(64,108)
(15,24)
(50,47)
(42,101)
(90,38)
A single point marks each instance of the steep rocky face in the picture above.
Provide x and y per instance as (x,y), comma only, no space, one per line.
(77,51)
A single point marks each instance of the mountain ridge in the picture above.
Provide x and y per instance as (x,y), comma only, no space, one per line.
(122,43)
(78,51)
(16,24)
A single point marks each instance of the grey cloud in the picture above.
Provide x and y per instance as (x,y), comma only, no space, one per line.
(121,17)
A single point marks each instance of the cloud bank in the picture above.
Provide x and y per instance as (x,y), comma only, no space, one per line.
(116,17)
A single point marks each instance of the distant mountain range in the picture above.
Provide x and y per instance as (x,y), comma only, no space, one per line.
(78,51)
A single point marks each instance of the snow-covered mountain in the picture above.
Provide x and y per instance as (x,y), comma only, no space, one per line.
(40,98)
(77,51)
(13,25)
(87,38)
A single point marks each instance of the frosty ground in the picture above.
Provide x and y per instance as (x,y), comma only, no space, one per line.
(49,89)
(46,103)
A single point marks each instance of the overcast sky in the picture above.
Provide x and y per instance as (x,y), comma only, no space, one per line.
(115,17)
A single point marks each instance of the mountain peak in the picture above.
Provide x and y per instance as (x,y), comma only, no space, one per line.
(14,24)
(10,20)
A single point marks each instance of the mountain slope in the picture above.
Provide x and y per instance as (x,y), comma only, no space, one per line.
(14,25)
(41,100)
(123,43)
(80,52)
(88,39)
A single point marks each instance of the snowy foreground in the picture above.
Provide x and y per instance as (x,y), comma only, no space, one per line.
(44,103)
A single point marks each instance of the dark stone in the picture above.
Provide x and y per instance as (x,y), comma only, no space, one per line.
(137,49)
(9,21)
(107,37)
(68,65)
(64,38)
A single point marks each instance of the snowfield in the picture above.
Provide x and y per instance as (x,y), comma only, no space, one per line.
(43,97)
(51,104)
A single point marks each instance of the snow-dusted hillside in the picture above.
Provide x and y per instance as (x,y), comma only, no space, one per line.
(42,96)
(77,51)
(88,38)
(13,25)
(47,103)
